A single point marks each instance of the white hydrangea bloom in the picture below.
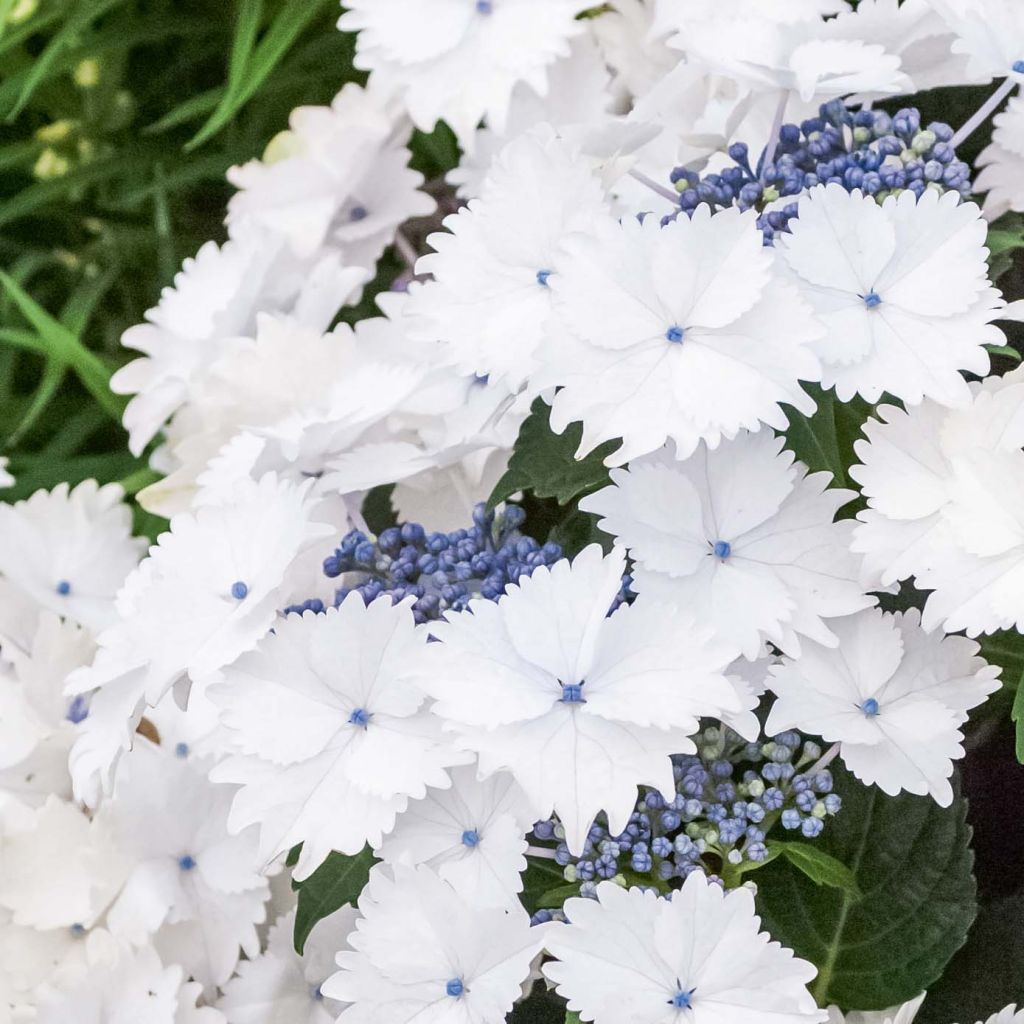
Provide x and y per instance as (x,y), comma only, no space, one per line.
(135,988)
(332,732)
(210,588)
(55,869)
(187,881)
(338,178)
(1002,162)
(741,537)
(70,549)
(491,298)
(894,696)
(990,33)
(471,834)
(802,57)
(37,721)
(281,987)
(629,955)
(683,332)
(903,1014)
(215,299)
(460,60)
(6,480)
(941,489)
(580,707)
(902,288)
(423,951)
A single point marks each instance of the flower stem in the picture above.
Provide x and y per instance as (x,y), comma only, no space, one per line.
(824,761)
(981,114)
(665,193)
(768,157)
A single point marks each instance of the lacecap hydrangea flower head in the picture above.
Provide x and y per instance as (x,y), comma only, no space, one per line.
(567,625)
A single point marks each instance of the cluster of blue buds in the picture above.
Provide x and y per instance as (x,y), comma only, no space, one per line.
(870,150)
(441,571)
(729,796)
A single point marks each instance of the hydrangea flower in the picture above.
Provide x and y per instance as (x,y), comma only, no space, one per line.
(684,332)
(215,299)
(908,304)
(194,888)
(460,60)
(70,549)
(893,696)
(471,834)
(741,537)
(629,955)
(210,588)
(491,298)
(579,706)
(338,178)
(333,735)
(1002,162)
(904,1014)
(940,490)
(421,950)
(802,57)
(37,721)
(281,987)
(990,33)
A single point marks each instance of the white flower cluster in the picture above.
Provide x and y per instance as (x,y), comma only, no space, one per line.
(174,726)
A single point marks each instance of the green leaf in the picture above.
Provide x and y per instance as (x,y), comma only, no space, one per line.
(1007,351)
(276,42)
(541,876)
(825,440)
(911,860)
(571,1017)
(53,375)
(1017,717)
(1004,238)
(545,463)
(59,343)
(820,867)
(339,880)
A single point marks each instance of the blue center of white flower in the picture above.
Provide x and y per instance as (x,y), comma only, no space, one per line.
(870,707)
(358,213)
(360,717)
(187,862)
(316,994)
(542,277)
(77,930)
(1018,67)
(872,300)
(572,693)
(484,6)
(181,750)
(675,334)
(722,549)
(455,988)
(681,1000)
(63,588)
(470,837)
(239,590)
(78,710)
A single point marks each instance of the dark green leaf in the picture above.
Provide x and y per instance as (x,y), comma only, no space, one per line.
(1007,351)
(824,441)
(545,463)
(912,861)
(1017,717)
(540,877)
(339,880)
(820,867)
(571,1017)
